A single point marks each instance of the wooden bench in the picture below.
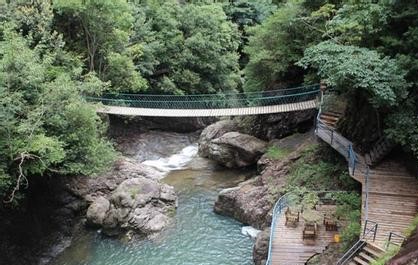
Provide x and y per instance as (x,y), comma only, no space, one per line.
(310,231)
(292,219)
(330,223)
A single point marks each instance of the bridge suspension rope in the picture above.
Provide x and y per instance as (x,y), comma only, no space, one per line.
(209,101)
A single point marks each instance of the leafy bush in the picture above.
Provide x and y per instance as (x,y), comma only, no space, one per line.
(45,127)
(315,172)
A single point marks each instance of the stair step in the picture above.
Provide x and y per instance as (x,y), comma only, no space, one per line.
(360,261)
(375,247)
(366,257)
(375,253)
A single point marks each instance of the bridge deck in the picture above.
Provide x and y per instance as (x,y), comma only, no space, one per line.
(132,111)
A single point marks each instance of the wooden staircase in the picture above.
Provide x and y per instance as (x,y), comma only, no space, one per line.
(330,118)
(367,254)
(382,148)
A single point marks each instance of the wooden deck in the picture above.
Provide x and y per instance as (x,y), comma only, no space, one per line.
(290,249)
(393,195)
(393,191)
(131,111)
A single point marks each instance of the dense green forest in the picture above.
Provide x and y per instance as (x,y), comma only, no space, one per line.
(53,52)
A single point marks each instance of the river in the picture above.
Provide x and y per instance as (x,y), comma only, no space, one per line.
(197,235)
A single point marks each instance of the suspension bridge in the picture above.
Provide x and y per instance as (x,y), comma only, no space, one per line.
(209,105)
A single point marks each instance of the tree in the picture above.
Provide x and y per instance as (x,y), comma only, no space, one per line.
(353,68)
(45,126)
(277,44)
(189,48)
(100,30)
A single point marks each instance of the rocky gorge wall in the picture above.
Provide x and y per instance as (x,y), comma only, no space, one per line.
(58,207)
(251,202)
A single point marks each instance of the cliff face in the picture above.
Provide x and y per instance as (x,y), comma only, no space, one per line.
(275,126)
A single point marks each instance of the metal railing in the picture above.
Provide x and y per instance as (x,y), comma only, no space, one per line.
(395,239)
(210,101)
(369,233)
(281,204)
(345,147)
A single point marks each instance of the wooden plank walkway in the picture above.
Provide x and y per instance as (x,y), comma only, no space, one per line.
(393,191)
(393,195)
(290,249)
(131,111)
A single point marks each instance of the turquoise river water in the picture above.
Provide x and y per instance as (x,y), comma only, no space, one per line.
(197,235)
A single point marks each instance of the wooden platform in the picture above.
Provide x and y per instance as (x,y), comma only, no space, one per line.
(130,111)
(393,195)
(290,249)
(393,192)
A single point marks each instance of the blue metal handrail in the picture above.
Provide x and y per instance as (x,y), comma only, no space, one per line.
(277,210)
(353,161)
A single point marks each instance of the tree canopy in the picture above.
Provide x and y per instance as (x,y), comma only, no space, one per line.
(54,52)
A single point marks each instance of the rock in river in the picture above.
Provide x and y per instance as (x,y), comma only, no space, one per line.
(229,148)
(139,204)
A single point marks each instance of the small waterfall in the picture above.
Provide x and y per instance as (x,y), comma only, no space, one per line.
(174,162)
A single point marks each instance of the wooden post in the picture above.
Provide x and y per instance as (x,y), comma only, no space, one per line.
(322,86)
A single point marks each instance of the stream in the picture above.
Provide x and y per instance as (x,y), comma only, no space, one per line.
(197,235)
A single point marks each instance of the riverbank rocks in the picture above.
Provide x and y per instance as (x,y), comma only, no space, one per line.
(139,204)
(261,247)
(251,201)
(229,148)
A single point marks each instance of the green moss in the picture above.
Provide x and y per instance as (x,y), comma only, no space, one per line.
(318,169)
(412,227)
(274,152)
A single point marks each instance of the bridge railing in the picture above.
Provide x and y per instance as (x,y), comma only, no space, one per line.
(210,101)
(280,205)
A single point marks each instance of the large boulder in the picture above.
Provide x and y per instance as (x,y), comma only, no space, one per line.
(98,210)
(251,202)
(234,149)
(214,131)
(279,125)
(261,247)
(139,204)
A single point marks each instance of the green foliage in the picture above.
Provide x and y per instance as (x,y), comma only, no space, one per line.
(412,227)
(353,68)
(249,13)
(391,252)
(314,172)
(274,152)
(187,49)
(348,209)
(276,45)
(272,48)
(45,125)
(351,232)
(99,30)
(358,22)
